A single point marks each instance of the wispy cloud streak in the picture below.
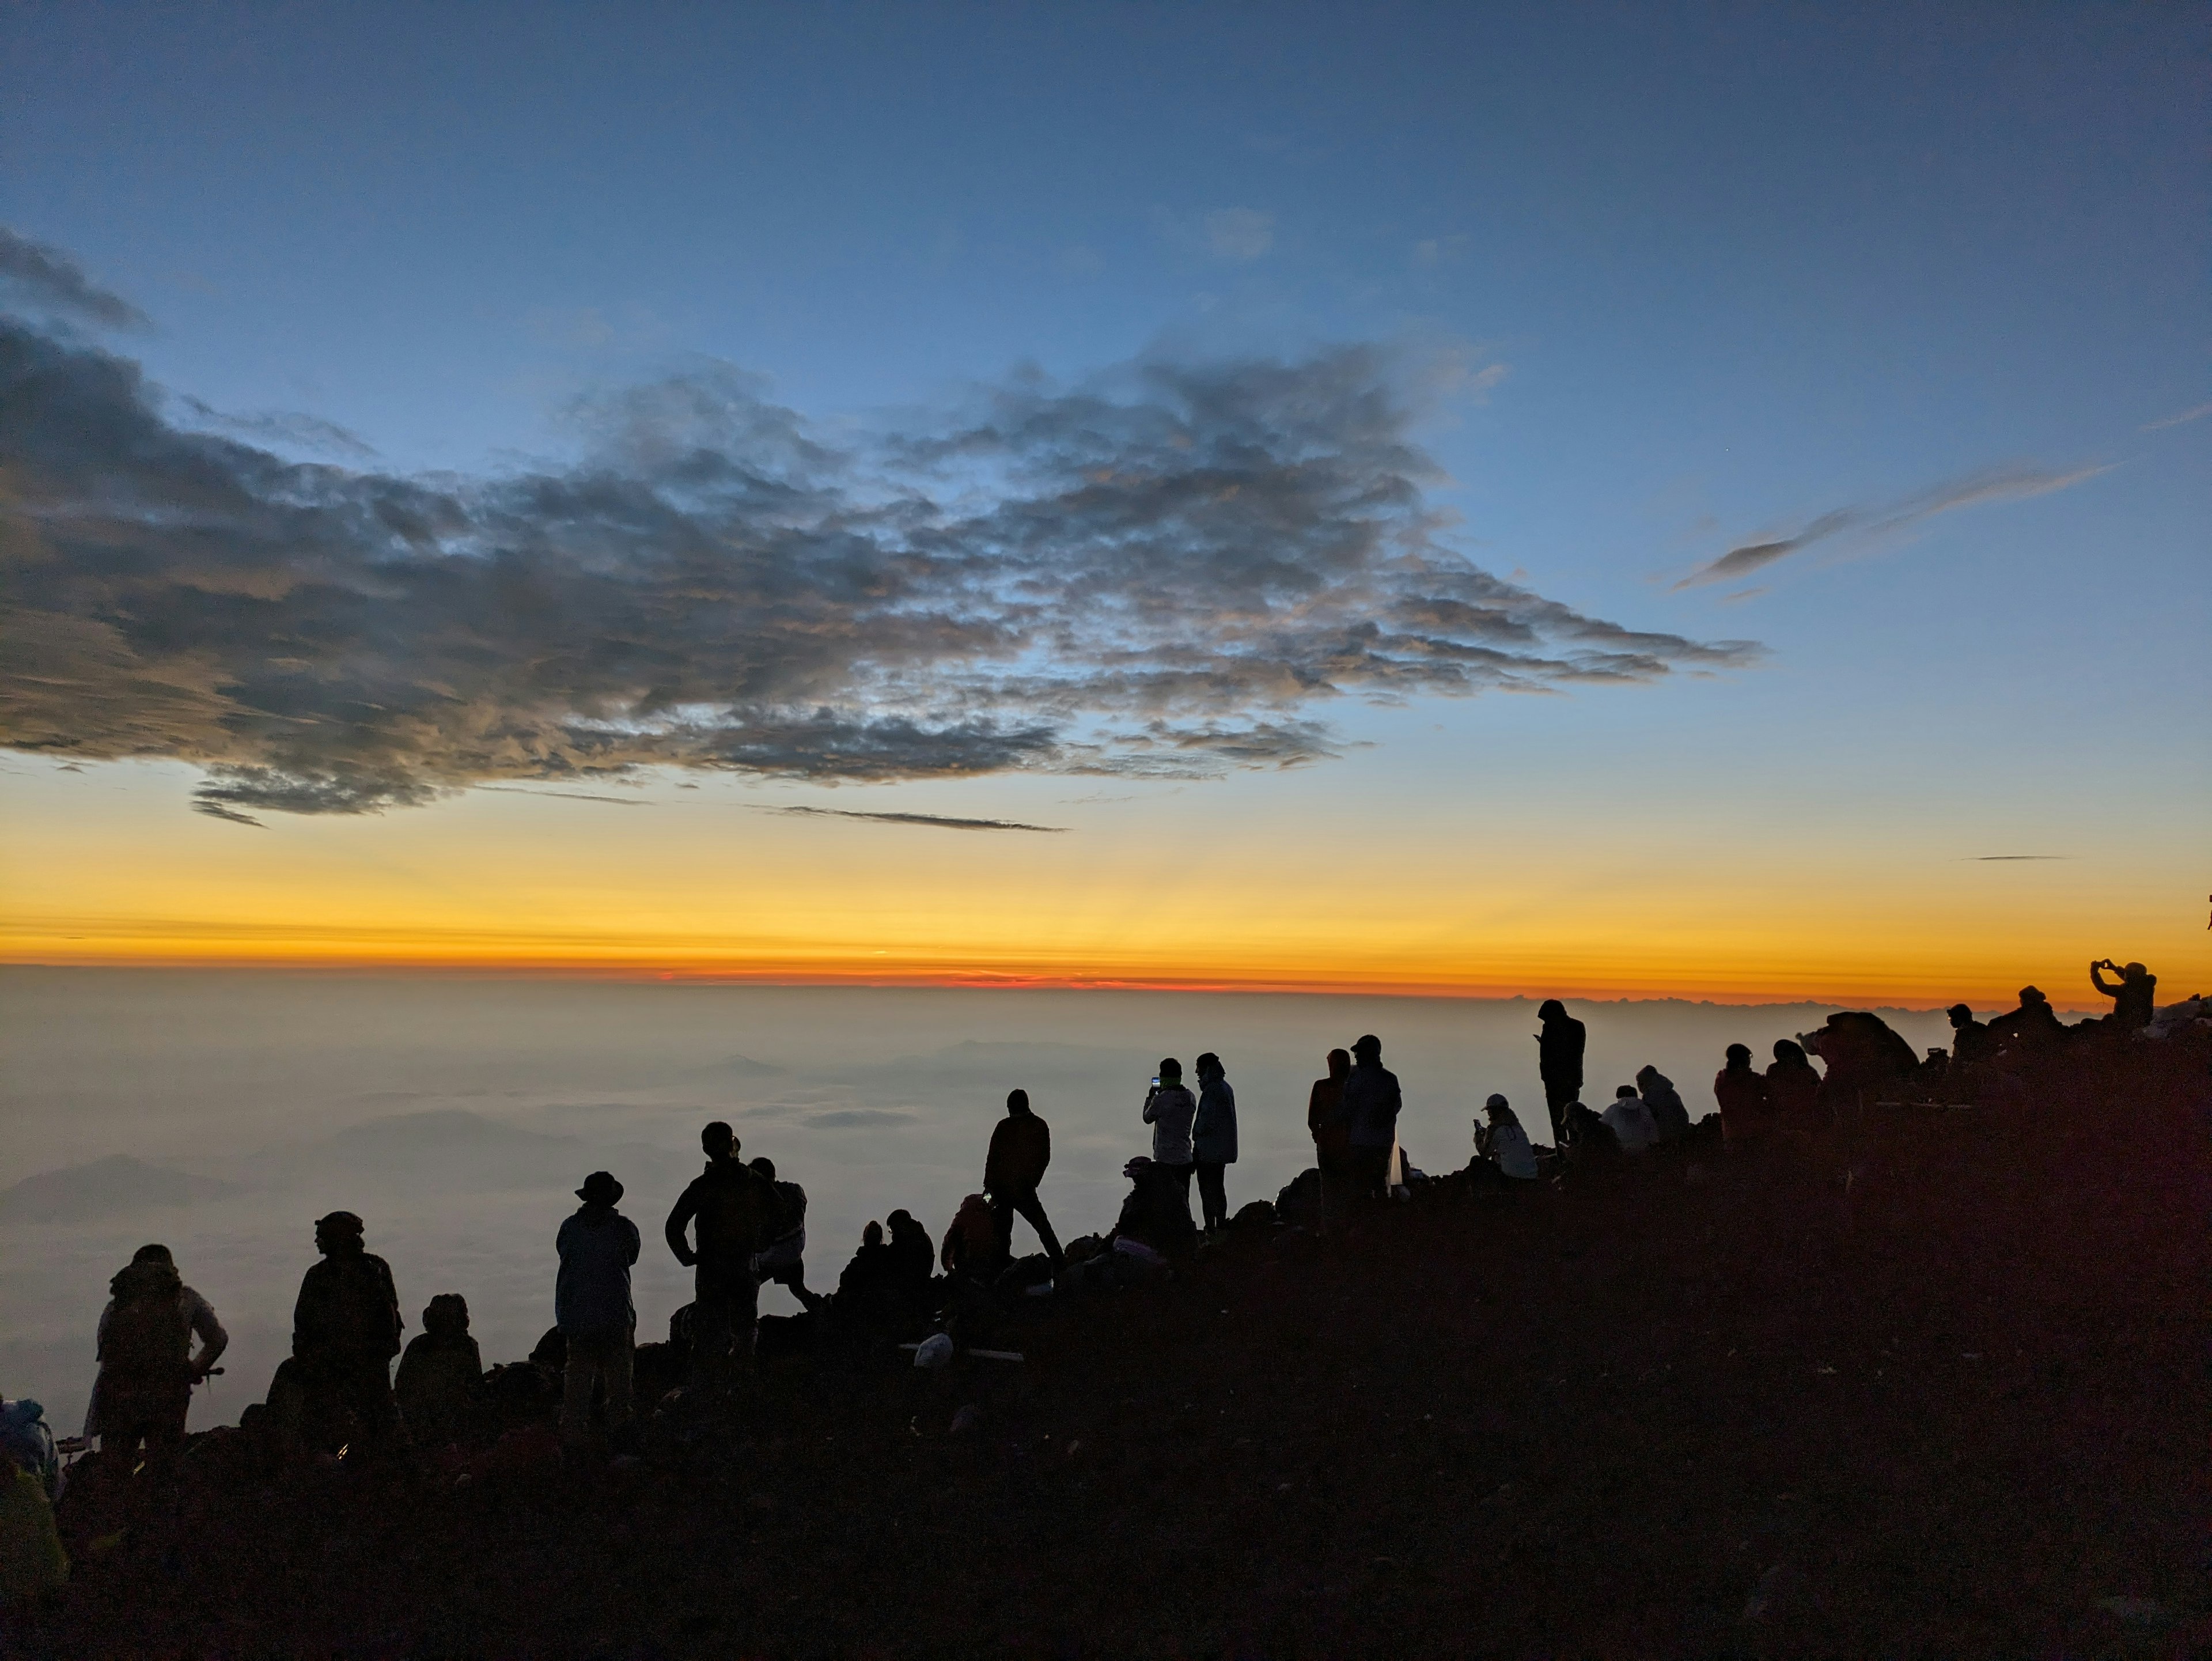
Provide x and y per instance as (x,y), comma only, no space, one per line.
(939,820)
(1172,570)
(1980,488)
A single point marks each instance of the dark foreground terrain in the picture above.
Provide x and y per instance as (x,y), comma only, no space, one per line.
(1936,1389)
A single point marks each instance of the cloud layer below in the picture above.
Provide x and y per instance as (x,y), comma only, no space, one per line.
(1172,571)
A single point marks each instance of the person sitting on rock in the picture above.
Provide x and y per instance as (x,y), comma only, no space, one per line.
(970,1249)
(1971,1041)
(2030,1031)
(1793,1089)
(911,1263)
(862,1300)
(440,1381)
(1659,1094)
(1746,1108)
(2133,995)
(1156,1212)
(1590,1139)
(1503,1145)
(1630,1120)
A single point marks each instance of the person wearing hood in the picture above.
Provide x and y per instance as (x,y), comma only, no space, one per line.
(1793,1089)
(1630,1120)
(1659,1094)
(345,1330)
(910,1262)
(1503,1144)
(440,1379)
(1170,1109)
(1331,1129)
(1747,1111)
(1372,1103)
(1021,1152)
(1559,1061)
(592,1306)
(1213,1139)
(143,1391)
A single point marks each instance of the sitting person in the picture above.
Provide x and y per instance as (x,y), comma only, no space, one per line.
(1658,1093)
(1746,1110)
(1970,1042)
(910,1262)
(1590,1139)
(863,1290)
(1793,1090)
(1631,1120)
(441,1383)
(1503,1145)
(2133,995)
(1156,1212)
(2030,1031)
(971,1250)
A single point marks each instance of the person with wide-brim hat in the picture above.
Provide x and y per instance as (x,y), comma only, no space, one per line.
(592,1308)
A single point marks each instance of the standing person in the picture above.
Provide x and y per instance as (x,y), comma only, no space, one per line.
(1021,1150)
(783,1260)
(727,1208)
(1170,1109)
(592,1308)
(345,1330)
(1665,1102)
(1332,1135)
(1372,1101)
(1746,1110)
(1213,1139)
(147,1369)
(1559,1061)
(2134,995)
(1504,1143)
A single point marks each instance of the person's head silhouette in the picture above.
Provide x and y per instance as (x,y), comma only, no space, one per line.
(1959,1015)
(765,1166)
(1170,1071)
(1017,1102)
(2032,995)
(1367,1048)
(1739,1055)
(1551,1010)
(719,1140)
(1339,1064)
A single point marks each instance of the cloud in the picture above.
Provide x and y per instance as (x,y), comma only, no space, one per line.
(1171,569)
(938,820)
(45,279)
(2013,484)
(303,432)
(1239,233)
(566,795)
(1990,859)
(2196,414)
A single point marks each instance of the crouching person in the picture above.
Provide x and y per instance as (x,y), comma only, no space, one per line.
(592,1306)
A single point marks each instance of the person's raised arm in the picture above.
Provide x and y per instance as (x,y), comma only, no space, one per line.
(2097,980)
(687,1206)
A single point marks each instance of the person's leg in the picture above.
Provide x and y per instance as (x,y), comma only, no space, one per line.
(619,1367)
(368,1391)
(1002,1221)
(712,1316)
(1212,1193)
(586,1365)
(1032,1210)
(1556,1097)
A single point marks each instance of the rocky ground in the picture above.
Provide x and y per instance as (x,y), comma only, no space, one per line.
(1938,1388)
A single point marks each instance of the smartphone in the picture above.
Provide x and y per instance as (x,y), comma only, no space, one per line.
(1156,1081)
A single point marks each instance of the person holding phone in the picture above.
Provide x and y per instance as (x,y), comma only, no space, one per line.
(1170,1109)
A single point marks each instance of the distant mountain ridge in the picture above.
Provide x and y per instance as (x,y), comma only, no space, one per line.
(106,1188)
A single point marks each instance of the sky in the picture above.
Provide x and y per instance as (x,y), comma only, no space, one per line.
(1620,503)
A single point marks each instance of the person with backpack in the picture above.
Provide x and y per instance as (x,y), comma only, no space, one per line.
(1021,1149)
(147,1368)
(345,1330)
(783,1260)
(727,1209)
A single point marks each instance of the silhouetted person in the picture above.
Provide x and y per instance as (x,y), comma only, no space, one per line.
(345,1330)
(1170,1109)
(440,1380)
(913,1262)
(1331,1127)
(1665,1102)
(1747,1111)
(864,1290)
(1590,1139)
(1213,1139)
(970,1250)
(1864,1057)
(728,1208)
(1021,1150)
(783,1260)
(147,1368)
(1504,1143)
(2133,995)
(1372,1101)
(1630,1121)
(592,1306)
(1971,1041)
(1559,1060)
(1793,1089)
(1155,1213)
(2030,1031)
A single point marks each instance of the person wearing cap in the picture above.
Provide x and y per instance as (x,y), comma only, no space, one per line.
(592,1308)
(1504,1143)
(1372,1101)
(345,1330)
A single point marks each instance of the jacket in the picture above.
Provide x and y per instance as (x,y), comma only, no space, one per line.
(1169,1110)
(1213,1132)
(1746,1108)
(348,1310)
(591,1293)
(733,1207)
(1021,1148)
(1559,1052)
(1372,1100)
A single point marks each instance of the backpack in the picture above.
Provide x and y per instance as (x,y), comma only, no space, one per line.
(148,1334)
(790,1209)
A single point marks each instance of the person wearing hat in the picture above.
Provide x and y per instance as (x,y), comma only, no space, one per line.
(345,1330)
(1504,1143)
(592,1306)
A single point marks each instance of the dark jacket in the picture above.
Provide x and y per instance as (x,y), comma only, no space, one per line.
(1372,1101)
(440,1386)
(733,1207)
(590,1294)
(348,1309)
(1971,1042)
(1746,1108)
(1559,1052)
(1021,1148)
(1213,1132)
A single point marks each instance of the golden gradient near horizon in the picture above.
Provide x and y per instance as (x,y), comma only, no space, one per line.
(108,867)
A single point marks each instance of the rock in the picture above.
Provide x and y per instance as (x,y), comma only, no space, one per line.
(934,1351)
